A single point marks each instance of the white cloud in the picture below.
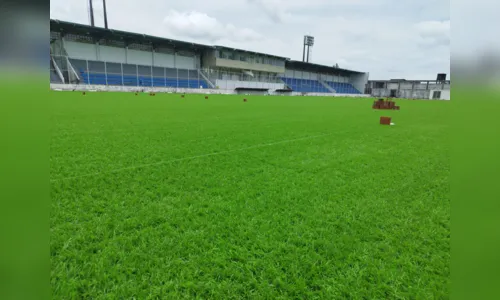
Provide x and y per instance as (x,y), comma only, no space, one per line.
(357,34)
(200,26)
(275,9)
(434,33)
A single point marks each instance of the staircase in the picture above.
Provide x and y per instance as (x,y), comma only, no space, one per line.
(56,76)
(327,86)
(60,58)
(210,83)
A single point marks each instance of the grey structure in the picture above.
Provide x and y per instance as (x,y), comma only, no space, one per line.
(82,54)
(411,89)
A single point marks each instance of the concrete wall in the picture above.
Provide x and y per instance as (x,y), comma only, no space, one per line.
(80,50)
(412,90)
(185,62)
(359,81)
(392,86)
(316,76)
(111,54)
(409,94)
(405,86)
(242,92)
(243,65)
(208,59)
(415,94)
(412,94)
(138,57)
(97,52)
(445,94)
(233,84)
(103,88)
(327,77)
(164,60)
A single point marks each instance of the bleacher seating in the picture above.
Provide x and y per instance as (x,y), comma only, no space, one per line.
(131,80)
(314,86)
(343,88)
(136,75)
(305,85)
(105,73)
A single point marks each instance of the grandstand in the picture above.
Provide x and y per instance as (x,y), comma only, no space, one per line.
(410,89)
(93,56)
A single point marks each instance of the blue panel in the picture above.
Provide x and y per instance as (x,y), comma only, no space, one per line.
(100,79)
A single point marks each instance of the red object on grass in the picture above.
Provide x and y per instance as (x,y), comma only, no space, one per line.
(385,120)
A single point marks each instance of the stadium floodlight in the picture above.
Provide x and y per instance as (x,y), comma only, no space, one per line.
(105,14)
(308,42)
(91,13)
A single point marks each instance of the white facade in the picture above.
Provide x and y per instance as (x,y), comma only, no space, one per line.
(411,89)
(315,76)
(96,52)
(233,84)
(104,88)
(445,94)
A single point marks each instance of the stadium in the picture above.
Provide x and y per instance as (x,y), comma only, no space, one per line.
(92,56)
(196,171)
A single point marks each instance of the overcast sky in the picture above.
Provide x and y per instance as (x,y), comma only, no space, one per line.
(388,38)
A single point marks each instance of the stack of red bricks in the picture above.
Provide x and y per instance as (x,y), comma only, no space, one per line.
(381,104)
(385,120)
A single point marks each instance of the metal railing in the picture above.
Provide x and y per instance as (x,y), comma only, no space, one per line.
(80,71)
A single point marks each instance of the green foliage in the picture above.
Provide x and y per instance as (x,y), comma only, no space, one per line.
(276,198)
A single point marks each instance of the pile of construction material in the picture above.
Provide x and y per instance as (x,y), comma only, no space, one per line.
(387,104)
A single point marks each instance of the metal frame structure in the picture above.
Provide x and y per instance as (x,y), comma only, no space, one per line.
(308,43)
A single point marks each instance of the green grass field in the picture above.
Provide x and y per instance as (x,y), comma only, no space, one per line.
(277,198)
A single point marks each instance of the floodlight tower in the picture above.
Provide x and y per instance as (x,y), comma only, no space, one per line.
(105,14)
(91,12)
(308,42)
(91,8)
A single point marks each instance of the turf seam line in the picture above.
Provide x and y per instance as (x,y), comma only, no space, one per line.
(189,158)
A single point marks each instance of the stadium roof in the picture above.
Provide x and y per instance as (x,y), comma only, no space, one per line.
(296,64)
(65,27)
(251,52)
(128,37)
